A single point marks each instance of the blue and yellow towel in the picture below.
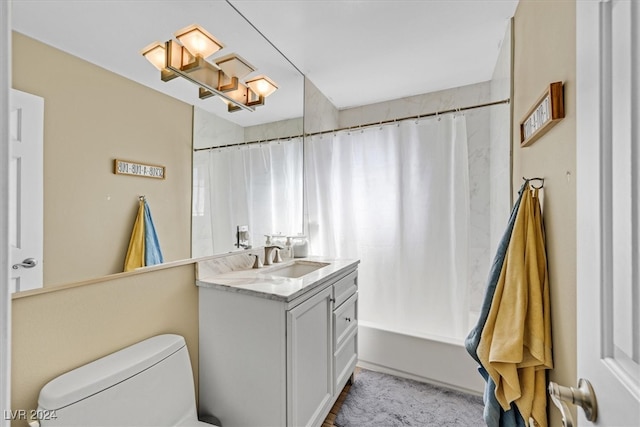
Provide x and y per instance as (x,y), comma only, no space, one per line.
(515,345)
(144,247)
(512,340)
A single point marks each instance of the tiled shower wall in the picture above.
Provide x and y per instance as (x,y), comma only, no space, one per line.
(500,146)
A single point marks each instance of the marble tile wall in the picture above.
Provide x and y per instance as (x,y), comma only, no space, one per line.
(500,146)
(419,104)
(319,113)
(210,130)
(273,130)
(478,122)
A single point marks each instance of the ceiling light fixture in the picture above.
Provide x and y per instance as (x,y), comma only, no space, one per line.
(186,58)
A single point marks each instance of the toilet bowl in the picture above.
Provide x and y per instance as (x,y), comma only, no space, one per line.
(147,384)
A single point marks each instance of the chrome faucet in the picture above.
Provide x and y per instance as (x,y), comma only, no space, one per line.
(270,258)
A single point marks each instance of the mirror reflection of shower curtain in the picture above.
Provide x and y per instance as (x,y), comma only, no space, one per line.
(397,197)
(259,185)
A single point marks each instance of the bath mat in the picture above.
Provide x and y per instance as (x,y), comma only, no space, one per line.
(380,400)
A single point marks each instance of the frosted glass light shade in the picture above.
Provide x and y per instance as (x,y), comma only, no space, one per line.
(155,54)
(235,66)
(262,85)
(198,41)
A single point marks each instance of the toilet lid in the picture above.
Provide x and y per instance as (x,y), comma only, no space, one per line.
(107,371)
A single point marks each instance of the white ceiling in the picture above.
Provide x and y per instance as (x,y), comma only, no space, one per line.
(358,52)
(355,52)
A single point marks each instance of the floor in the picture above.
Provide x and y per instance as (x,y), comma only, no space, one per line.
(333,413)
(426,404)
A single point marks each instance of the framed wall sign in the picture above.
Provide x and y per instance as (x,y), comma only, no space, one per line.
(124,167)
(545,113)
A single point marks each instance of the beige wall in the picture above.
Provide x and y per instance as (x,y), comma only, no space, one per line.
(91,117)
(57,331)
(545,52)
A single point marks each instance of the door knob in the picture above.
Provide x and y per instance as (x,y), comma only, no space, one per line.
(27,263)
(582,396)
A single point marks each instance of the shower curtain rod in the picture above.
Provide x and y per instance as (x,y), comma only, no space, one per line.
(258,141)
(366,125)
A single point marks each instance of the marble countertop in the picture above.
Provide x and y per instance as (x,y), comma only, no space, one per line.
(265,282)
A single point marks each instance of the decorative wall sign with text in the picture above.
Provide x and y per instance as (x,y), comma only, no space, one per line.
(123,167)
(545,113)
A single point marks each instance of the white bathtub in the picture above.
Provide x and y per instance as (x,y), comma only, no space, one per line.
(432,359)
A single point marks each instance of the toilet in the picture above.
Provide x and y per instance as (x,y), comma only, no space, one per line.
(147,384)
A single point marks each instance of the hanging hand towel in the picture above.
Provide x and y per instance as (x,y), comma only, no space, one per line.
(515,345)
(135,253)
(152,252)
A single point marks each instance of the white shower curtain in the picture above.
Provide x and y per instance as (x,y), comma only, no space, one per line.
(397,197)
(259,185)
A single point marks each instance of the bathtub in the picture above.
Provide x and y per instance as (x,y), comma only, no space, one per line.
(437,360)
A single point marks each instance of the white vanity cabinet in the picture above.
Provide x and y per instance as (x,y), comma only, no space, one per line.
(271,360)
(309,360)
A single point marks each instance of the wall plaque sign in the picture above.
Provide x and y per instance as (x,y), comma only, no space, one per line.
(124,167)
(545,113)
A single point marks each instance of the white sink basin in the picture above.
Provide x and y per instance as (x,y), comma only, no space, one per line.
(297,269)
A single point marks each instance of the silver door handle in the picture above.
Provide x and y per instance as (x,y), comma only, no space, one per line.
(27,263)
(582,396)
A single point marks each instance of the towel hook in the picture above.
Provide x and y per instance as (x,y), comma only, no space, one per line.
(541,180)
(142,198)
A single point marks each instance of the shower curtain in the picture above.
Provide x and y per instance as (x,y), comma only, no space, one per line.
(258,185)
(397,198)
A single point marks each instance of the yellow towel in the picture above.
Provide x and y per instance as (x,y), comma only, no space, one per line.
(515,345)
(135,253)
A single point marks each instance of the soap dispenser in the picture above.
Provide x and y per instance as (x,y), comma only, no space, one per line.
(288,248)
(301,247)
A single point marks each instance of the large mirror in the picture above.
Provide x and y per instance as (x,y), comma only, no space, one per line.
(104,101)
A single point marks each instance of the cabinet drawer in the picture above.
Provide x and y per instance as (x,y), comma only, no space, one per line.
(344,288)
(345,320)
(344,361)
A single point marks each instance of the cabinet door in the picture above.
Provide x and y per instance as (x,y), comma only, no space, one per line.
(345,336)
(309,360)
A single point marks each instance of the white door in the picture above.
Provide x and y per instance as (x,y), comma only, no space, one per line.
(608,207)
(25,190)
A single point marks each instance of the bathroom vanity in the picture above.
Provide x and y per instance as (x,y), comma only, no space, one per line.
(277,344)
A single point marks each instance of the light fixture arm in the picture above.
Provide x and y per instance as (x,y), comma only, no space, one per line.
(186,58)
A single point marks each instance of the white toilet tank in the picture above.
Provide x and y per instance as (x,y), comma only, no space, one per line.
(147,384)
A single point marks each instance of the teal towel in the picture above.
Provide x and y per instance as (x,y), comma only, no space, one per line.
(152,251)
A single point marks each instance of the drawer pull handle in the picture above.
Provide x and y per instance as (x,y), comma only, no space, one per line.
(348,319)
(332,299)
